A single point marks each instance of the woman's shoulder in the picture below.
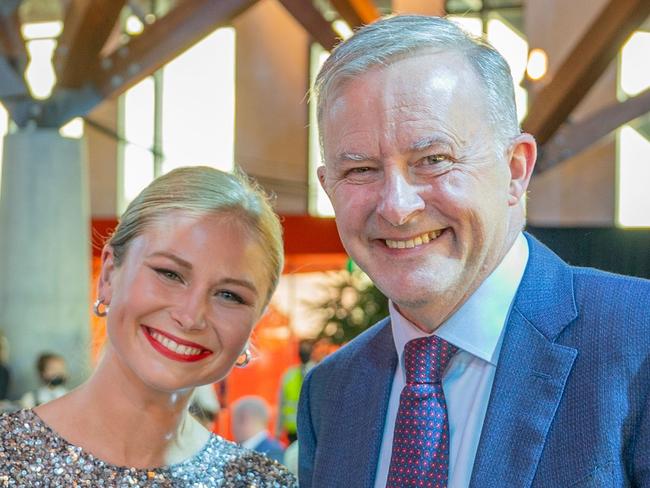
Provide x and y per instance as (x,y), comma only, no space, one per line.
(21,440)
(17,427)
(242,467)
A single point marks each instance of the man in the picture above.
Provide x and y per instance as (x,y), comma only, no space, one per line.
(250,417)
(290,386)
(499,365)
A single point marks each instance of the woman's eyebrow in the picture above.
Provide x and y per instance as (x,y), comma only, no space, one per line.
(245,283)
(180,261)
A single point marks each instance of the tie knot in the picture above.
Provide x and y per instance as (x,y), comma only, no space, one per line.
(426,358)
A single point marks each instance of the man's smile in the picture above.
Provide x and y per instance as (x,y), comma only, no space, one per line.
(412,242)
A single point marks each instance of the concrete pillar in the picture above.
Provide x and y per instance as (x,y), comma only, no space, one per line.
(44,253)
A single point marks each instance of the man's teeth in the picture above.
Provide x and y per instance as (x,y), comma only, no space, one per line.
(174,346)
(416,241)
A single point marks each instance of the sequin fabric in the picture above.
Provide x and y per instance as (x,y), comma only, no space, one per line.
(420,455)
(33,455)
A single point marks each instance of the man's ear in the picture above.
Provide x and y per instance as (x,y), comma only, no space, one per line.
(104,284)
(321,172)
(523,154)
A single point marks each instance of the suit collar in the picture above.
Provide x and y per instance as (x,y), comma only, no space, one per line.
(545,296)
(531,374)
(366,394)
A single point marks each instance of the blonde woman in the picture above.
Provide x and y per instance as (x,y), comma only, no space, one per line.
(184,278)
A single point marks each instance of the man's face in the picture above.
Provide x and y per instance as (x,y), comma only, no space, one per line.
(422,196)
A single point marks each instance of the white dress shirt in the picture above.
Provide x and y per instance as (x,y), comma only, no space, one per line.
(476,328)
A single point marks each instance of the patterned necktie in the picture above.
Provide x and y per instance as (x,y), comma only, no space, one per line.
(420,456)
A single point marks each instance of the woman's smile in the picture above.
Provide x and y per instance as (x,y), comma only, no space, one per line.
(175,348)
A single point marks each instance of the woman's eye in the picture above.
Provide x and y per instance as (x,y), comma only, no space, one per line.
(230,296)
(169,274)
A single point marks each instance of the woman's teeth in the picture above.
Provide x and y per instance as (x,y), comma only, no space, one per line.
(174,346)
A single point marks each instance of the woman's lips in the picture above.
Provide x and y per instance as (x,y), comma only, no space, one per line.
(175,348)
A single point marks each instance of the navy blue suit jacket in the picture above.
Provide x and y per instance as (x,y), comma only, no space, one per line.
(569,406)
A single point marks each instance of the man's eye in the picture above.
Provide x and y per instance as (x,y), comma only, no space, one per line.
(359,171)
(169,274)
(434,159)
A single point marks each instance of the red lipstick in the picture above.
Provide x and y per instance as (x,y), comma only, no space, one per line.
(185,358)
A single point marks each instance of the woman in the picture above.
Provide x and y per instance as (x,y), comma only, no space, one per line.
(186,275)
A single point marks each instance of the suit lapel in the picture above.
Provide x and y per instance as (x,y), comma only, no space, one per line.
(530,377)
(364,404)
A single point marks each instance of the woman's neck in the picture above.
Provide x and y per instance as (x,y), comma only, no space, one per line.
(124,422)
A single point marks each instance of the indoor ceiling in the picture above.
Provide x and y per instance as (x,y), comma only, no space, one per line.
(95,58)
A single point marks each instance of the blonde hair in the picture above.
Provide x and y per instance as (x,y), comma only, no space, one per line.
(201,190)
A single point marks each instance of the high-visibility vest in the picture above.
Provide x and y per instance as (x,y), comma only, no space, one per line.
(290,393)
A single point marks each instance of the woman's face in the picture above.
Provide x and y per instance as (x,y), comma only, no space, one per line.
(184,299)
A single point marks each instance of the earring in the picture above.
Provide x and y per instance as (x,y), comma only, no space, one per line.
(97,310)
(243,359)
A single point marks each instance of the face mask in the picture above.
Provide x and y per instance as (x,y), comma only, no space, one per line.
(56,380)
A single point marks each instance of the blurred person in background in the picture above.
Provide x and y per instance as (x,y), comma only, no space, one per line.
(5,375)
(53,374)
(250,419)
(290,386)
(204,406)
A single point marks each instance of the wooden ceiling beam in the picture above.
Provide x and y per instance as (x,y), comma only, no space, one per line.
(313,22)
(88,23)
(583,66)
(356,12)
(186,24)
(572,139)
(13,54)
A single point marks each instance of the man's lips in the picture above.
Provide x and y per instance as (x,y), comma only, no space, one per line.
(174,347)
(414,241)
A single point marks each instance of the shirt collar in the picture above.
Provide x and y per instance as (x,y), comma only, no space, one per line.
(252,442)
(477,326)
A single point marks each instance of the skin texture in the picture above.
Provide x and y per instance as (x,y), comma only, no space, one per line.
(408,150)
(196,278)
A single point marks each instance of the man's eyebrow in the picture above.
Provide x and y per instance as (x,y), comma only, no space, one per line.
(428,142)
(180,261)
(350,156)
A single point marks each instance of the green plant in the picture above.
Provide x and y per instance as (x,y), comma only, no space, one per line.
(352,305)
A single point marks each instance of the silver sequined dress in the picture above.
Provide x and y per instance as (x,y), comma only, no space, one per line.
(33,455)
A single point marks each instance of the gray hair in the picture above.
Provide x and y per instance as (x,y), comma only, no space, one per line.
(200,190)
(253,406)
(396,37)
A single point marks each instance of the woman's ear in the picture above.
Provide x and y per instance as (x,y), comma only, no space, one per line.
(523,154)
(104,284)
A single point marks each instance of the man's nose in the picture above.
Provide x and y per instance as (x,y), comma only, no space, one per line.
(190,312)
(400,198)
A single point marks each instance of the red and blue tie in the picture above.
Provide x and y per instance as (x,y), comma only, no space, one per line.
(420,456)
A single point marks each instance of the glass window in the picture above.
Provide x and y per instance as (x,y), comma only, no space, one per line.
(514,48)
(183,115)
(319,203)
(137,168)
(198,106)
(633,143)
(473,25)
